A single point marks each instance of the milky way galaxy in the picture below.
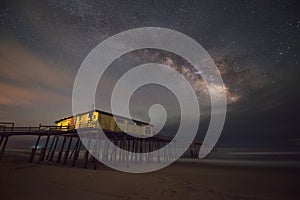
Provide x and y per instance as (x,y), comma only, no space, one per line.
(238,79)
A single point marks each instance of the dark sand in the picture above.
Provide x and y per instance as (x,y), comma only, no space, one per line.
(182,180)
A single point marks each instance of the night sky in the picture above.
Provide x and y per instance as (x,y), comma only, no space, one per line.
(255,45)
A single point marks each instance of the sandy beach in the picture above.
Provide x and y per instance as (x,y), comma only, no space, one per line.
(182,180)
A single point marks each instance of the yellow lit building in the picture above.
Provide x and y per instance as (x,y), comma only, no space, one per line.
(107,122)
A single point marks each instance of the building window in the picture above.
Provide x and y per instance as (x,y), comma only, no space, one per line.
(148,130)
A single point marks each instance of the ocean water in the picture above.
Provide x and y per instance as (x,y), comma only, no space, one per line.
(265,154)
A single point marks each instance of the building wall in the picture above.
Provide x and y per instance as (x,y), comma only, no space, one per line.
(107,122)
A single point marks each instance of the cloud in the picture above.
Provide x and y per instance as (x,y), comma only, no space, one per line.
(20,64)
(12,95)
(27,79)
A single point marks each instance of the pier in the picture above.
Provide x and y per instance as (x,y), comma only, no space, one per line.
(62,145)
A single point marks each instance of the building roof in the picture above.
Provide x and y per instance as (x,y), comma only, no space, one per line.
(106,113)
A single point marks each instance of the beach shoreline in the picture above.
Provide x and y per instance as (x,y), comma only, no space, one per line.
(184,179)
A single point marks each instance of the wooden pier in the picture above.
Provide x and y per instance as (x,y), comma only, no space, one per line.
(63,145)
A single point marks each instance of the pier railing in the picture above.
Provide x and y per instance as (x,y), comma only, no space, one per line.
(11,129)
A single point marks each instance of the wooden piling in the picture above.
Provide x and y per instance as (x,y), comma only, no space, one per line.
(1,140)
(31,158)
(86,155)
(68,150)
(54,148)
(61,150)
(44,150)
(4,146)
(74,152)
(50,149)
